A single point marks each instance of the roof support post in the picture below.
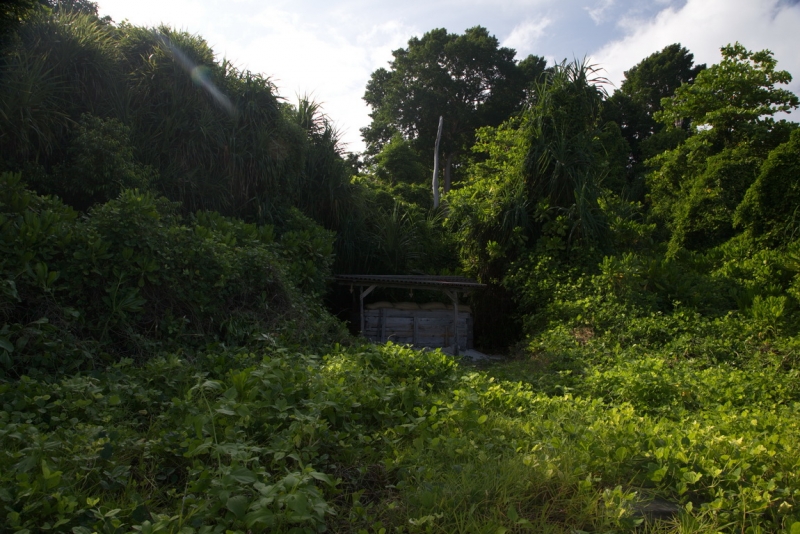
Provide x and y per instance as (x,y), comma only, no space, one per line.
(454,297)
(361,294)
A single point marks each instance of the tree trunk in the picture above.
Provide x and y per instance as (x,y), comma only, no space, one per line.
(435,184)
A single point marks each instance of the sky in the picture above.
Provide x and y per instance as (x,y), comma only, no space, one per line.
(328,49)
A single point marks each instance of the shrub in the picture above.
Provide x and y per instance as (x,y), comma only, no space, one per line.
(132,278)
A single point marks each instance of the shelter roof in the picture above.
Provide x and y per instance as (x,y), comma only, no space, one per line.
(459,283)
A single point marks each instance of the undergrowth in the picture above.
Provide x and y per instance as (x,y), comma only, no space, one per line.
(171,374)
(388,439)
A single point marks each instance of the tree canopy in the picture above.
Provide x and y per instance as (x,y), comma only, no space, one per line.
(638,99)
(697,186)
(733,100)
(468,78)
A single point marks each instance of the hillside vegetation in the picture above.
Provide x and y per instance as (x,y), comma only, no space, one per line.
(170,359)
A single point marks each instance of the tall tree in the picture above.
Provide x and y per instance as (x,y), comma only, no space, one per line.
(639,97)
(696,187)
(468,79)
(734,99)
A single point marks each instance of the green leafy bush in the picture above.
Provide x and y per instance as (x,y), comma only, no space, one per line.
(99,164)
(132,278)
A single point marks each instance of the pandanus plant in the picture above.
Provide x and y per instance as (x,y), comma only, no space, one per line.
(562,163)
(56,68)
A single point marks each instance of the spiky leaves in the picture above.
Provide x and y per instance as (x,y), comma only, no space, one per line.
(59,67)
(562,166)
(238,158)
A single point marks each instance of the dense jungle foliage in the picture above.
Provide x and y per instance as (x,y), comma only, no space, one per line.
(170,359)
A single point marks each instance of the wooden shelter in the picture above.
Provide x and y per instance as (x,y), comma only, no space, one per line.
(431,328)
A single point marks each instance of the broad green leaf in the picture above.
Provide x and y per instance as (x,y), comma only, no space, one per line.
(298,502)
(322,477)
(691,477)
(53,480)
(658,474)
(243,475)
(512,513)
(6,344)
(238,505)
(262,516)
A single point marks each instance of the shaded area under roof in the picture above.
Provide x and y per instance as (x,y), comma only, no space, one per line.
(449,285)
(457,283)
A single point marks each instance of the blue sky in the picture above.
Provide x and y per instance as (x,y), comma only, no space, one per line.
(330,48)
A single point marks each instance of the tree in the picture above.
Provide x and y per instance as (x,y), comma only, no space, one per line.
(323,188)
(696,187)
(12,12)
(536,191)
(86,7)
(105,103)
(564,166)
(639,97)
(399,162)
(733,101)
(99,164)
(469,79)
(771,206)
(547,164)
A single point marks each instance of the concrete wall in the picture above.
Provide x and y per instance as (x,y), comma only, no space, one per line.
(421,328)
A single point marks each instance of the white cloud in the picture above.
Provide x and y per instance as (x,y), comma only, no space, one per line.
(328,55)
(181,14)
(703,26)
(525,35)
(330,47)
(332,63)
(599,11)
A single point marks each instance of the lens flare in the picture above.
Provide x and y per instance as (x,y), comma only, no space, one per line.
(200,74)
